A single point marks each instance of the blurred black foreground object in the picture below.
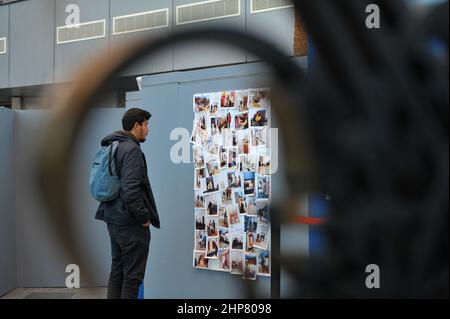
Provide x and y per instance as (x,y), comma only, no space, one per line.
(374,109)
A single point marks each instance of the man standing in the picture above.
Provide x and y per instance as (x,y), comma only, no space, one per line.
(129,216)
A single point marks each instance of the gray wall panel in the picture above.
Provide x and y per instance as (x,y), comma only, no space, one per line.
(202,54)
(70,57)
(8,266)
(4,58)
(160,62)
(275,26)
(32,42)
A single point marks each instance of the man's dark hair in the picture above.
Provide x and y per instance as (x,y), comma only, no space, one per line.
(133,116)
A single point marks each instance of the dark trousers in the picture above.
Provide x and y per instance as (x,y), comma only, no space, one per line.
(129,251)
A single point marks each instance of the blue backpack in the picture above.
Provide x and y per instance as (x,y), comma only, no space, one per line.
(103,180)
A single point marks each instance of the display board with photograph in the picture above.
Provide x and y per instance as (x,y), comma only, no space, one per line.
(232,182)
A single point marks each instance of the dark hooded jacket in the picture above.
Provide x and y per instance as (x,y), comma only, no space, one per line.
(135,204)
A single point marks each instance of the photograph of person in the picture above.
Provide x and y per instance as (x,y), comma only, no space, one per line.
(212,165)
(200,260)
(232,159)
(259,98)
(199,200)
(259,137)
(241,121)
(262,236)
(234,180)
(243,141)
(263,186)
(214,126)
(224,241)
(236,238)
(262,211)
(209,186)
(250,224)
(263,262)
(264,163)
(229,138)
(236,262)
(223,156)
(200,240)
(227,100)
(223,216)
(212,247)
(199,174)
(250,267)
(247,162)
(224,122)
(242,100)
(199,136)
(233,215)
(200,219)
(258,118)
(250,242)
(211,202)
(212,226)
(240,201)
(201,102)
(251,206)
(249,183)
(214,144)
(199,158)
(202,121)
(214,104)
(227,196)
(224,259)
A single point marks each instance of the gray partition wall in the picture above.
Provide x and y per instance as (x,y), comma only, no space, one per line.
(8,266)
(41,258)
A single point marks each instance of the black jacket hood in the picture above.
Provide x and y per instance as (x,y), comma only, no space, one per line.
(119,136)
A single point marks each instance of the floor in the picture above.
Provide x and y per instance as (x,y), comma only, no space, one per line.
(56,293)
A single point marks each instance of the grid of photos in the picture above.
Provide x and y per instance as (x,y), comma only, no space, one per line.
(232,182)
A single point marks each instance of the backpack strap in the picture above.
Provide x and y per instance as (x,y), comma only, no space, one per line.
(112,152)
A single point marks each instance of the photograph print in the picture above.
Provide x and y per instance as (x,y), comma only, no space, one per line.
(262,236)
(223,216)
(259,118)
(212,226)
(236,262)
(250,267)
(200,240)
(263,262)
(236,238)
(224,259)
(241,121)
(228,99)
(259,98)
(249,183)
(259,137)
(200,219)
(263,186)
(224,240)
(201,103)
(212,245)
(200,260)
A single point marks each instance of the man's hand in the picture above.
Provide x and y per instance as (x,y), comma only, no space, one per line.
(147,224)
